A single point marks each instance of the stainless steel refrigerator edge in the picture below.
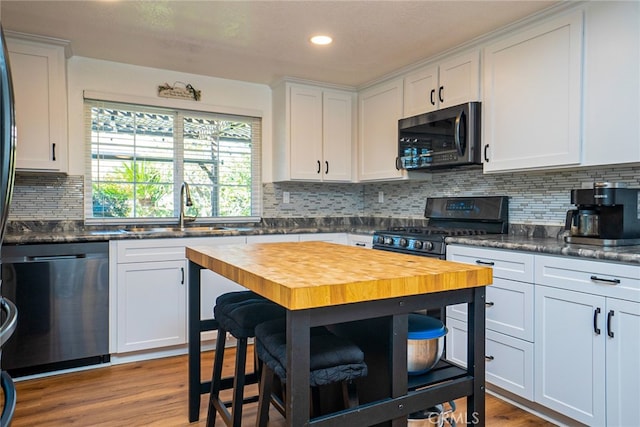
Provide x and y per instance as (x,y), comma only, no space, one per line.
(8,312)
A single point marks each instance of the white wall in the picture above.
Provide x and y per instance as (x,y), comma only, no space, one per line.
(220,95)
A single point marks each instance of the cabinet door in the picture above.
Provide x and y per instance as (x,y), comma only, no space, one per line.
(305,132)
(623,363)
(508,361)
(532,97)
(459,80)
(420,91)
(380,110)
(39,84)
(612,77)
(570,353)
(151,305)
(336,136)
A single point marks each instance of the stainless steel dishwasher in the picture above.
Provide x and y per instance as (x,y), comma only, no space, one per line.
(62,294)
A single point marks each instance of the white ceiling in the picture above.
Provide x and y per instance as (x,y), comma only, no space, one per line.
(263,41)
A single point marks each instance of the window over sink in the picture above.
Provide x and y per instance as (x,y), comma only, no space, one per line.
(139,156)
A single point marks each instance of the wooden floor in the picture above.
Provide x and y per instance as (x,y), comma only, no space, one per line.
(154,393)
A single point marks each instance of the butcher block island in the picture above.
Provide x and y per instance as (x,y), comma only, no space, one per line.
(322,283)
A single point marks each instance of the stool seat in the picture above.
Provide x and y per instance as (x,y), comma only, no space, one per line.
(333,358)
(237,313)
(240,312)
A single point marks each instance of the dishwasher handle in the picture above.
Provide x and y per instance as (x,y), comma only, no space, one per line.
(38,258)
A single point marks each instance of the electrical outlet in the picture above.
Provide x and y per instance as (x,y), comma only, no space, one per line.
(380,196)
(286,197)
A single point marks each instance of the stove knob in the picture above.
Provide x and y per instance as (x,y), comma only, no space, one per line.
(404,242)
(388,240)
(428,246)
(418,244)
(379,239)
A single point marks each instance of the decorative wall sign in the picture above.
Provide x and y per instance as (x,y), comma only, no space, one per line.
(185,91)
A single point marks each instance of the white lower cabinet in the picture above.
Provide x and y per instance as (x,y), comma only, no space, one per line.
(587,352)
(508,360)
(509,319)
(149,283)
(562,332)
(151,305)
(148,301)
(623,363)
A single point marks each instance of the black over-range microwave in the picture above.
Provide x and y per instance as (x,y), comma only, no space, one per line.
(440,139)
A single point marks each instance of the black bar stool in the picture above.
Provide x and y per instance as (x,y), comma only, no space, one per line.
(237,313)
(333,360)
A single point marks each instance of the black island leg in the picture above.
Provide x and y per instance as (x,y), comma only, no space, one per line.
(475,357)
(298,368)
(194,341)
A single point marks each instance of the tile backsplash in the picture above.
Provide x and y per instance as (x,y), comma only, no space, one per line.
(535,197)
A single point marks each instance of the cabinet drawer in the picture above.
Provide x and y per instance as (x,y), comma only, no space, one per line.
(508,361)
(594,277)
(147,250)
(509,364)
(506,264)
(509,309)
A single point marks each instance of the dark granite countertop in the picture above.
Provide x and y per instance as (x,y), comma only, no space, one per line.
(74,233)
(551,246)
(520,236)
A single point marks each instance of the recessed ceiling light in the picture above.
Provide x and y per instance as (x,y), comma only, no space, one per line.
(321,40)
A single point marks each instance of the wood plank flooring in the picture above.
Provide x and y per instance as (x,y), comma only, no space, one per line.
(154,393)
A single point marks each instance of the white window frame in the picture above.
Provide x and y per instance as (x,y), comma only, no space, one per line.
(188,108)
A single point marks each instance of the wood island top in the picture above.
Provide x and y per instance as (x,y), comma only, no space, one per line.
(301,275)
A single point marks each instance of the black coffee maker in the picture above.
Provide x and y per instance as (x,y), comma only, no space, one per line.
(606,215)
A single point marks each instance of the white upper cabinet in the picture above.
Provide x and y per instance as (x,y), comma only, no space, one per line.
(380,108)
(533,96)
(337,141)
(452,82)
(313,133)
(612,83)
(39,82)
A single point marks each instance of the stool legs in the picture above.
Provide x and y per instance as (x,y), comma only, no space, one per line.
(238,384)
(216,376)
(233,419)
(266,386)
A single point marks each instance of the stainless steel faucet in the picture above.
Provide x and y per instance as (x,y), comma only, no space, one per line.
(184,190)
